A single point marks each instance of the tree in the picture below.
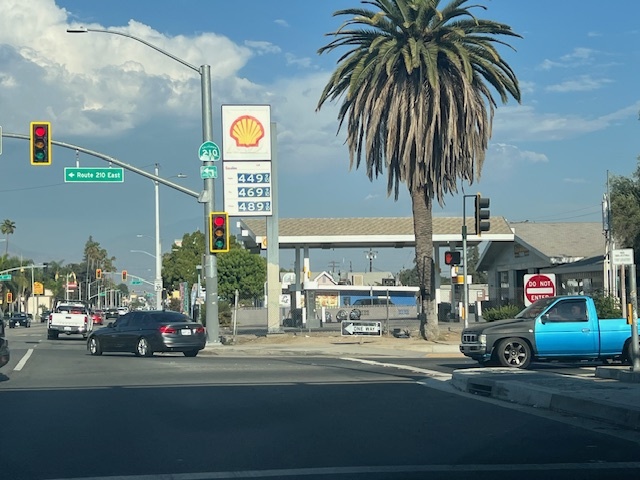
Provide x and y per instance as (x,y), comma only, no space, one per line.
(415,89)
(7,228)
(473,257)
(625,210)
(237,268)
(244,271)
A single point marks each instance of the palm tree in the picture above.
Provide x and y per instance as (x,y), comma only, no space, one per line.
(7,228)
(415,94)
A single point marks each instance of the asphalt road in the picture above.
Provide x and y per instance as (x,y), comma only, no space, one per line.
(66,415)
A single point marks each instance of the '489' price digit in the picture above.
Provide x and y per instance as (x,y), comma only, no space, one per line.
(254,206)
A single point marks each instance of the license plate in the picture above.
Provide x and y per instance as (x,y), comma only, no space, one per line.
(185,331)
(67,329)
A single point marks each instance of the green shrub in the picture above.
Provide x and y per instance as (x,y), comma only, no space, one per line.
(500,313)
(606,307)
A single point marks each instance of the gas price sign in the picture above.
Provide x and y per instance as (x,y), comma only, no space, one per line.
(247,188)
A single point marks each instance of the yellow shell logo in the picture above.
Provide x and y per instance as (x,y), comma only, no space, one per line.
(247,131)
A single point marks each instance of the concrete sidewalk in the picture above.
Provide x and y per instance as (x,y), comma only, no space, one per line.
(611,395)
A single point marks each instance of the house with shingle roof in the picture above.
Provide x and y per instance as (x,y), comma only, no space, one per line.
(573,251)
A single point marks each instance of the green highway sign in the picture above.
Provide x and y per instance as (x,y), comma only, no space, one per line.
(209,152)
(136,282)
(5,277)
(210,171)
(93,175)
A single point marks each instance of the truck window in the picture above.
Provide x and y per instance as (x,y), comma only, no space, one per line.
(569,311)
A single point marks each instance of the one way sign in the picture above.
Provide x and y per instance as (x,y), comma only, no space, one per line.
(350,328)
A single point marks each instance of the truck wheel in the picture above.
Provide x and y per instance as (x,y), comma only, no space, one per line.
(94,346)
(514,352)
(143,349)
(627,357)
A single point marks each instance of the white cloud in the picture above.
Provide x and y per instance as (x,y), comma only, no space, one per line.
(584,83)
(262,47)
(281,22)
(574,180)
(304,62)
(507,154)
(578,57)
(523,122)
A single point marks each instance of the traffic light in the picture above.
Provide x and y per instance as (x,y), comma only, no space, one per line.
(9,297)
(40,143)
(124,275)
(219,232)
(452,258)
(482,215)
(98,273)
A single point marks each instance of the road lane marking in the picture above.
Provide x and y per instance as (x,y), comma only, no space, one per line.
(23,360)
(429,373)
(389,469)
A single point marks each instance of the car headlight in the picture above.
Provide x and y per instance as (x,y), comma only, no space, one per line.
(482,338)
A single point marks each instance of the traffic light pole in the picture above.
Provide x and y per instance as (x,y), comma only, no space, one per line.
(465,285)
(207,197)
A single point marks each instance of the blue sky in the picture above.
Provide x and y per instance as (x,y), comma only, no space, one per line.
(548,159)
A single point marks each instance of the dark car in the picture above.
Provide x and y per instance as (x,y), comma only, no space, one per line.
(4,349)
(44,316)
(111,314)
(19,319)
(145,332)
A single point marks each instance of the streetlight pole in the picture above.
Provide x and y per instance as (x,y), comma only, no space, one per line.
(157,284)
(207,196)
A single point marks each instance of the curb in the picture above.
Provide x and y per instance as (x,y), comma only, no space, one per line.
(536,394)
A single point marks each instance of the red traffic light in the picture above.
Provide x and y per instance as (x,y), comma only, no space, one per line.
(219,232)
(452,258)
(40,142)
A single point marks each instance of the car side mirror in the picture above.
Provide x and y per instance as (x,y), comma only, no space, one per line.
(544,318)
(111,325)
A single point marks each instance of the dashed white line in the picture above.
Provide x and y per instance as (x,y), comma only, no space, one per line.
(23,360)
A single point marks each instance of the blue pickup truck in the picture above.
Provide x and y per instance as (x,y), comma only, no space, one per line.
(555,328)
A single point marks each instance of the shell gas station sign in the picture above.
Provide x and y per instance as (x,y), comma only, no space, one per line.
(246,132)
(246,155)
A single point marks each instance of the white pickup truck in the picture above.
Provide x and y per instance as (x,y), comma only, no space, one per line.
(69,318)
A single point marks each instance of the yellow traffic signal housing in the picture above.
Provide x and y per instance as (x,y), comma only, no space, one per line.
(9,297)
(98,273)
(40,143)
(219,232)
(124,275)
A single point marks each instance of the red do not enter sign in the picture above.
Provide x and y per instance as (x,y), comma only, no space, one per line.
(539,286)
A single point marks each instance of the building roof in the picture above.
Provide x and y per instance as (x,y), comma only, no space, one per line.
(554,243)
(560,240)
(365,232)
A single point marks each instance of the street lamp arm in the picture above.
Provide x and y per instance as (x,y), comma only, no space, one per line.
(157,49)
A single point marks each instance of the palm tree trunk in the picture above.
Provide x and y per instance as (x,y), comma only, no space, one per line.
(423,231)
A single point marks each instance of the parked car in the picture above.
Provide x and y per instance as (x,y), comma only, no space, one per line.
(145,332)
(19,319)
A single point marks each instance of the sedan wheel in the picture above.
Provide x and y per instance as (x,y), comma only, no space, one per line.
(191,353)
(514,352)
(94,346)
(143,349)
